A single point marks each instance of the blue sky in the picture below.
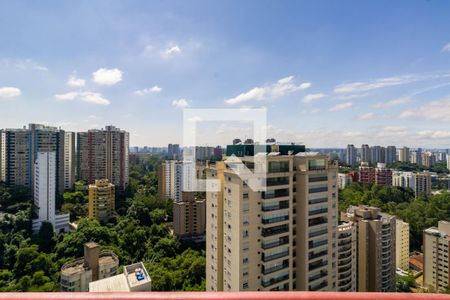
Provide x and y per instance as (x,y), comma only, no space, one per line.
(328,72)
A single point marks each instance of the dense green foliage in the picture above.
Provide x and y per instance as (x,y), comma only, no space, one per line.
(439,167)
(420,213)
(32,262)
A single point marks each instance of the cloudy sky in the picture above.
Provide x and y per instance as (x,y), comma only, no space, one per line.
(328,72)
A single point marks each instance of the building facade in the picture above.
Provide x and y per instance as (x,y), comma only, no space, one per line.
(419,182)
(436,266)
(101,200)
(376,248)
(189,217)
(44,194)
(402,245)
(103,154)
(347,257)
(344,180)
(350,157)
(283,238)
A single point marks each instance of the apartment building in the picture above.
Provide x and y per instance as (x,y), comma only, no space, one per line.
(419,182)
(376,248)
(436,266)
(176,177)
(189,217)
(101,200)
(383,175)
(402,244)
(403,154)
(344,180)
(19,150)
(391,155)
(283,238)
(347,257)
(366,173)
(103,154)
(365,153)
(45,196)
(77,274)
(350,158)
(69,161)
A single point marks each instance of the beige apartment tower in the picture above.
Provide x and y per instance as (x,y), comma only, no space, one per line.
(283,238)
(189,216)
(347,257)
(376,248)
(101,200)
(436,266)
(402,245)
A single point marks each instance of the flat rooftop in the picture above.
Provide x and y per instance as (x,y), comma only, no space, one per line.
(116,283)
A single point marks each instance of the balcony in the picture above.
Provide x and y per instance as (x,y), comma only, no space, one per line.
(319,189)
(281,241)
(276,206)
(318,211)
(272,281)
(314,255)
(315,233)
(267,258)
(273,269)
(277,181)
(317,264)
(275,194)
(275,230)
(318,200)
(275,219)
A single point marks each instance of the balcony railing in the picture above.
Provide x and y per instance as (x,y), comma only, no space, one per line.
(266,258)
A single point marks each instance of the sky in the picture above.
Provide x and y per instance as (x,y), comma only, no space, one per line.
(328,73)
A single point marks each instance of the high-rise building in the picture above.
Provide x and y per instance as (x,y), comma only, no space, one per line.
(402,245)
(69,161)
(20,148)
(101,200)
(350,158)
(448,162)
(283,238)
(189,217)
(103,154)
(419,182)
(428,159)
(403,154)
(375,154)
(347,257)
(77,274)
(173,151)
(436,266)
(391,155)
(344,180)
(177,178)
(44,194)
(365,153)
(376,248)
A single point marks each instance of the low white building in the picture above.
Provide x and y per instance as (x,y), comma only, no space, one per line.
(133,279)
(344,180)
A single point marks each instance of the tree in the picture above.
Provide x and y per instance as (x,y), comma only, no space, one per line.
(46,237)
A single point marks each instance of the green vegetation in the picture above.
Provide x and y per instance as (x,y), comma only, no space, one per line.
(420,213)
(439,167)
(33,262)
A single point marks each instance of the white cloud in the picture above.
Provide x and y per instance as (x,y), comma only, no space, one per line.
(9,92)
(154,89)
(341,106)
(171,51)
(73,81)
(313,97)
(180,103)
(367,116)
(361,87)
(23,64)
(89,97)
(107,76)
(446,48)
(435,111)
(67,96)
(282,87)
(430,134)
(395,102)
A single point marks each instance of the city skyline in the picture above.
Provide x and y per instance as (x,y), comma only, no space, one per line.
(154,59)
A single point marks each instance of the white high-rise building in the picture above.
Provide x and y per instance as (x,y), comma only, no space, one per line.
(419,182)
(178,178)
(44,193)
(69,160)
